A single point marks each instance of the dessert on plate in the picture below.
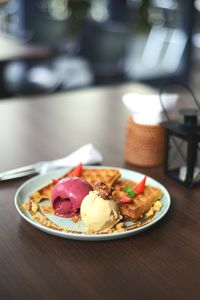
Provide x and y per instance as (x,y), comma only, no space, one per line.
(68,194)
(98,210)
(99,198)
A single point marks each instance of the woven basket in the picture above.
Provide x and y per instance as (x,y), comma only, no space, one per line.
(144,144)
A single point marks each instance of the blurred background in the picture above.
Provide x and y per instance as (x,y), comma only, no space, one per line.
(49,46)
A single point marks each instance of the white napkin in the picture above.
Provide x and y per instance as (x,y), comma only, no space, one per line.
(146,108)
(86,154)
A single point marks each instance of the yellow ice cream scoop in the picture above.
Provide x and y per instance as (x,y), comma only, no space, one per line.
(99,214)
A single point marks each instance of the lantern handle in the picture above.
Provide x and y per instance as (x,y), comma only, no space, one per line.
(176,83)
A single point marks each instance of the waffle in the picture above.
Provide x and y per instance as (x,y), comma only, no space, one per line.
(141,203)
(108,176)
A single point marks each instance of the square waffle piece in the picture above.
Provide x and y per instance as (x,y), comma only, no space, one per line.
(108,176)
(141,203)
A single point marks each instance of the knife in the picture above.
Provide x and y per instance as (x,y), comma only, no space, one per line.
(22,171)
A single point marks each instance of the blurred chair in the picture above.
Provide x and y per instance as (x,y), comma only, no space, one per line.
(23,78)
(73,71)
(62,73)
(105,45)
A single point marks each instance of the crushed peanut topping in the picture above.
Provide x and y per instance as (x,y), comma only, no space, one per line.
(76,218)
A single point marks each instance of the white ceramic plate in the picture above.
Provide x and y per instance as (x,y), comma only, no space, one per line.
(39,181)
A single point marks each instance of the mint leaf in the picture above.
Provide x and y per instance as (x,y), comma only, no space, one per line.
(128,189)
(131,194)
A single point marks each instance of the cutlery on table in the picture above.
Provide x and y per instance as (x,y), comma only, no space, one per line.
(86,154)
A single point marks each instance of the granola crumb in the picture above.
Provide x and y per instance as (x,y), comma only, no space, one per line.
(34,207)
(150,213)
(76,218)
(120,225)
(25,206)
(157,205)
(48,209)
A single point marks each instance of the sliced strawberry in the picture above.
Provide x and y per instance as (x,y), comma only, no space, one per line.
(77,171)
(139,189)
(126,199)
(54,180)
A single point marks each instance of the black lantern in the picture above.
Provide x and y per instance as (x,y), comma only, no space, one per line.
(182,161)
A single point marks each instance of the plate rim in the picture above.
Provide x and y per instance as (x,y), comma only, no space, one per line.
(85,236)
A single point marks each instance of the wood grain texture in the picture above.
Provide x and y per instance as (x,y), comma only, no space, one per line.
(161,263)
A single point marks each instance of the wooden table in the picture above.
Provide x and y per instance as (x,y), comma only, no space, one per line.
(161,263)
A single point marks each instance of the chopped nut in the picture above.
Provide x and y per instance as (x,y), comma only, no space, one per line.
(76,218)
(34,207)
(25,206)
(120,229)
(36,197)
(149,213)
(48,209)
(157,206)
(103,190)
(120,225)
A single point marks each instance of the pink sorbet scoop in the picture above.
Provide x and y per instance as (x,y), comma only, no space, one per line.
(68,195)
